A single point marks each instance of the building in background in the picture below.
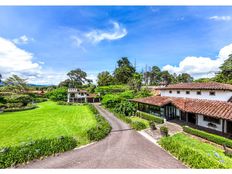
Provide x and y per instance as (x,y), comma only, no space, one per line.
(81,96)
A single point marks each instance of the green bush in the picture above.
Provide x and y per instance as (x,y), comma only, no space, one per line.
(111,89)
(164,131)
(58,94)
(64,103)
(14,109)
(126,108)
(150,117)
(152,125)
(129,94)
(110,100)
(122,117)
(208,136)
(138,125)
(19,98)
(11,156)
(102,129)
(39,100)
(188,155)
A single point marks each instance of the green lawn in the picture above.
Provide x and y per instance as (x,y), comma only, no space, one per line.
(207,150)
(134,118)
(48,121)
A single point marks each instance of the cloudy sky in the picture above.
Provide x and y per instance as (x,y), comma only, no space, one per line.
(43,43)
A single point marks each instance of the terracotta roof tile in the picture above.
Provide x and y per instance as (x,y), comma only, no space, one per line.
(199,86)
(218,109)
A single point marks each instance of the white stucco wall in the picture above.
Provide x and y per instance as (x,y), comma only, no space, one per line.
(219,94)
(203,123)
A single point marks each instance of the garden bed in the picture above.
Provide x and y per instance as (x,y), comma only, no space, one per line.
(195,153)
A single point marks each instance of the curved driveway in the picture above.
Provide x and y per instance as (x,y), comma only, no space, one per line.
(123,148)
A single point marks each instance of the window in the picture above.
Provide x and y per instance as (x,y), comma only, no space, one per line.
(212,120)
(170,92)
(198,92)
(178,92)
(211,93)
(187,92)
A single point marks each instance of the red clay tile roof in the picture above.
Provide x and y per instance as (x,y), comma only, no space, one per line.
(198,86)
(217,109)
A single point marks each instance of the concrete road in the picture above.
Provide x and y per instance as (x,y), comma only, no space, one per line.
(123,148)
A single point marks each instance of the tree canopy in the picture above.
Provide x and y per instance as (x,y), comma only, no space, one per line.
(105,79)
(124,71)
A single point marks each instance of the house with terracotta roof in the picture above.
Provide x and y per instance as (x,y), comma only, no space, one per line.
(207,105)
(81,96)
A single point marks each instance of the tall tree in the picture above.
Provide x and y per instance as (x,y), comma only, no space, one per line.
(105,78)
(16,83)
(166,77)
(155,75)
(124,71)
(184,78)
(225,76)
(78,78)
(135,82)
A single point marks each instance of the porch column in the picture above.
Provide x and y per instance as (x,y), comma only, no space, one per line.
(225,126)
(68,97)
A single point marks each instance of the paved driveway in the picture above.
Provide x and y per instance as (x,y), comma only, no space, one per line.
(123,148)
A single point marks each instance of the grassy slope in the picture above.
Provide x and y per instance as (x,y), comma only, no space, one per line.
(208,149)
(48,121)
(134,118)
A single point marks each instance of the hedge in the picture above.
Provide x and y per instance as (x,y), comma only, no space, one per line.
(11,156)
(138,125)
(102,129)
(208,136)
(150,117)
(188,155)
(20,109)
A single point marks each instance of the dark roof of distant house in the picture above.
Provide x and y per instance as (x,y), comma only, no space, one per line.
(212,108)
(199,86)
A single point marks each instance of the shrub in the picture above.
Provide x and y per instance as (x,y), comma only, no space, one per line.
(64,103)
(126,108)
(138,125)
(188,155)
(11,156)
(14,109)
(150,117)
(102,129)
(208,136)
(21,98)
(111,89)
(129,94)
(39,100)
(164,131)
(110,100)
(152,125)
(58,94)
(143,93)
(122,117)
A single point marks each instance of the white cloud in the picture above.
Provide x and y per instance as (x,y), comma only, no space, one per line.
(22,40)
(117,32)
(200,66)
(220,18)
(14,60)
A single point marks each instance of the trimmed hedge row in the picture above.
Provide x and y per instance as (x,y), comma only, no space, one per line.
(20,109)
(138,125)
(11,156)
(208,136)
(150,117)
(189,156)
(102,129)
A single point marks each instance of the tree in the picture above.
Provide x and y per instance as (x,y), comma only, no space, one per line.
(166,77)
(16,84)
(135,82)
(155,75)
(65,83)
(105,78)
(184,78)
(78,78)
(124,71)
(225,76)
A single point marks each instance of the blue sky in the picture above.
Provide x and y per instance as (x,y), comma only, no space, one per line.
(43,43)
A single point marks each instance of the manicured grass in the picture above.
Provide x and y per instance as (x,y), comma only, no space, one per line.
(195,153)
(48,121)
(134,118)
